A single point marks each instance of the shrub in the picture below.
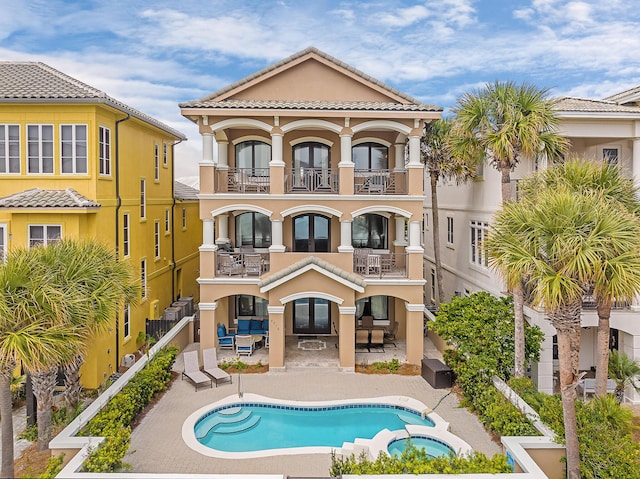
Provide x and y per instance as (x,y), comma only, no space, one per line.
(54,466)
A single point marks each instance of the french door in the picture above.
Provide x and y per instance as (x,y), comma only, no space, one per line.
(311,316)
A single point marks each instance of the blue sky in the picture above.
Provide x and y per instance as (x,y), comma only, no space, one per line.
(154,54)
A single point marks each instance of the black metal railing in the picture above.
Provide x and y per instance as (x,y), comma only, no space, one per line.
(380,182)
(311,180)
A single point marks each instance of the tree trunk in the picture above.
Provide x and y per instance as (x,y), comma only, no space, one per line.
(433,177)
(72,388)
(567,324)
(519,342)
(6,422)
(44,384)
(602,363)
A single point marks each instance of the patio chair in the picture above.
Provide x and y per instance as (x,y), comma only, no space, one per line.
(210,366)
(367,322)
(228,264)
(244,344)
(252,264)
(377,339)
(362,338)
(192,370)
(225,340)
(373,264)
(390,334)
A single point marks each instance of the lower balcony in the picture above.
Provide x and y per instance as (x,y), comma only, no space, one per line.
(241,264)
(376,264)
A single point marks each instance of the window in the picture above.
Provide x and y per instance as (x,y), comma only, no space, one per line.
(143,278)
(311,316)
(156,163)
(370,231)
(3,243)
(311,166)
(311,233)
(370,156)
(143,198)
(126,235)
(449,230)
(165,157)
(252,155)
(253,229)
(104,140)
(610,155)
(126,321)
(247,305)
(433,285)
(42,235)
(156,239)
(478,253)
(167,221)
(73,148)
(9,149)
(40,148)
(374,306)
(184,218)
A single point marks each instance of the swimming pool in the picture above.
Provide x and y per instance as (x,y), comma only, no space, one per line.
(256,426)
(433,447)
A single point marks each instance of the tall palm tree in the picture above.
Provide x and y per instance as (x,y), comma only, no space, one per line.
(509,121)
(619,280)
(556,239)
(435,149)
(28,304)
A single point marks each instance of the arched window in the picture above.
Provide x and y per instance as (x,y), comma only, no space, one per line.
(370,156)
(311,155)
(253,155)
(311,233)
(370,231)
(253,229)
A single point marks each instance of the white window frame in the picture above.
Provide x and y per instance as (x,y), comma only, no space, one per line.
(156,163)
(433,285)
(450,236)
(74,144)
(167,221)
(3,242)
(39,144)
(165,154)
(156,239)
(143,278)
(104,150)
(478,235)
(126,321)
(184,219)
(143,199)
(126,235)
(5,149)
(46,240)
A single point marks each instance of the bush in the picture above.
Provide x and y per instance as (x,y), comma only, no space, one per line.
(54,466)
(114,420)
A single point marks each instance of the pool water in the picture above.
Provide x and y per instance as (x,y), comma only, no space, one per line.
(256,426)
(432,447)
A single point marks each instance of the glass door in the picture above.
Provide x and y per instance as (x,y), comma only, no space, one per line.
(311,316)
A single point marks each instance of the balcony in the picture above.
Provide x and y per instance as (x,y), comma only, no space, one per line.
(311,180)
(380,182)
(244,180)
(377,264)
(241,265)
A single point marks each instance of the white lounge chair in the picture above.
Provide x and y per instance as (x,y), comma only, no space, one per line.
(210,366)
(192,370)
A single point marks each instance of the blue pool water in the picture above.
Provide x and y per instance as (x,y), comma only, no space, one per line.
(256,426)
(432,447)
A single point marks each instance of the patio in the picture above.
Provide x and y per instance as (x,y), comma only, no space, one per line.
(313,379)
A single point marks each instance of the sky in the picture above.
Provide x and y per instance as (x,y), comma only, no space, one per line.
(153,55)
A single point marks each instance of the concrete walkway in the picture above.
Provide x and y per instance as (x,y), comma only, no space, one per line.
(157,445)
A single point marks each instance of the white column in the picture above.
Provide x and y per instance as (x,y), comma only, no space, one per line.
(345,237)
(276,237)
(400,239)
(345,151)
(222,154)
(208,232)
(276,149)
(414,238)
(207,147)
(542,372)
(399,155)
(635,165)
(414,150)
(223,227)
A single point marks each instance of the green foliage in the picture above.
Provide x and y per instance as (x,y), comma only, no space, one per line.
(30,433)
(235,363)
(114,420)
(54,466)
(18,388)
(416,461)
(391,366)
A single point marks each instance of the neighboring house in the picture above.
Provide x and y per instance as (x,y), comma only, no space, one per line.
(76,163)
(604,130)
(186,239)
(312,212)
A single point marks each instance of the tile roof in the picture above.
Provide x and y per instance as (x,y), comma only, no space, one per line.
(351,277)
(209,100)
(36,82)
(38,198)
(312,105)
(184,192)
(592,106)
(622,96)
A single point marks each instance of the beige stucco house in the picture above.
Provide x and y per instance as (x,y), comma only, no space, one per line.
(312,206)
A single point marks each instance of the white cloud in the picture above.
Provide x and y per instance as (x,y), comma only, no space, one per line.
(404,17)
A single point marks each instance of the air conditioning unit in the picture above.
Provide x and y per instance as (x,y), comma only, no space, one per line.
(173,314)
(128,360)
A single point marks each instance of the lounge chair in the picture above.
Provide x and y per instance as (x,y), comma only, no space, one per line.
(244,344)
(377,339)
(192,370)
(210,366)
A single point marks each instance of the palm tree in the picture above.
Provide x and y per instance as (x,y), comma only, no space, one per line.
(28,303)
(556,239)
(509,121)
(619,280)
(625,372)
(435,149)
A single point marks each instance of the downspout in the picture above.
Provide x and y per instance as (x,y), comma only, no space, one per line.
(173,221)
(117,235)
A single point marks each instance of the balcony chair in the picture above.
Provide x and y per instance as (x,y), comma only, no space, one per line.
(252,264)
(229,264)
(373,264)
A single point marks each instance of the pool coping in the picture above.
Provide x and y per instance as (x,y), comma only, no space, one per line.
(189,437)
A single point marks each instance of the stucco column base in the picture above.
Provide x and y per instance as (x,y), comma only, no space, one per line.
(208,332)
(415,340)
(346,340)
(276,337)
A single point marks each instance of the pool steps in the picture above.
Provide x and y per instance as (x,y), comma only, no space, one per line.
(236,420)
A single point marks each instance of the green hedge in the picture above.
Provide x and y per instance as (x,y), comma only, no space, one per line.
(114,420)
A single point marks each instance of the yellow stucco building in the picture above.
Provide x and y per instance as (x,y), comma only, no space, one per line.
(76,163)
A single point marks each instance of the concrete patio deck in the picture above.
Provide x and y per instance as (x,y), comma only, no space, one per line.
(157,445)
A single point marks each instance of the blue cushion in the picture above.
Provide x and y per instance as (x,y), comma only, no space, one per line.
(226,340)
(265,325)
(244,326)
(222,331)
(256,325)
